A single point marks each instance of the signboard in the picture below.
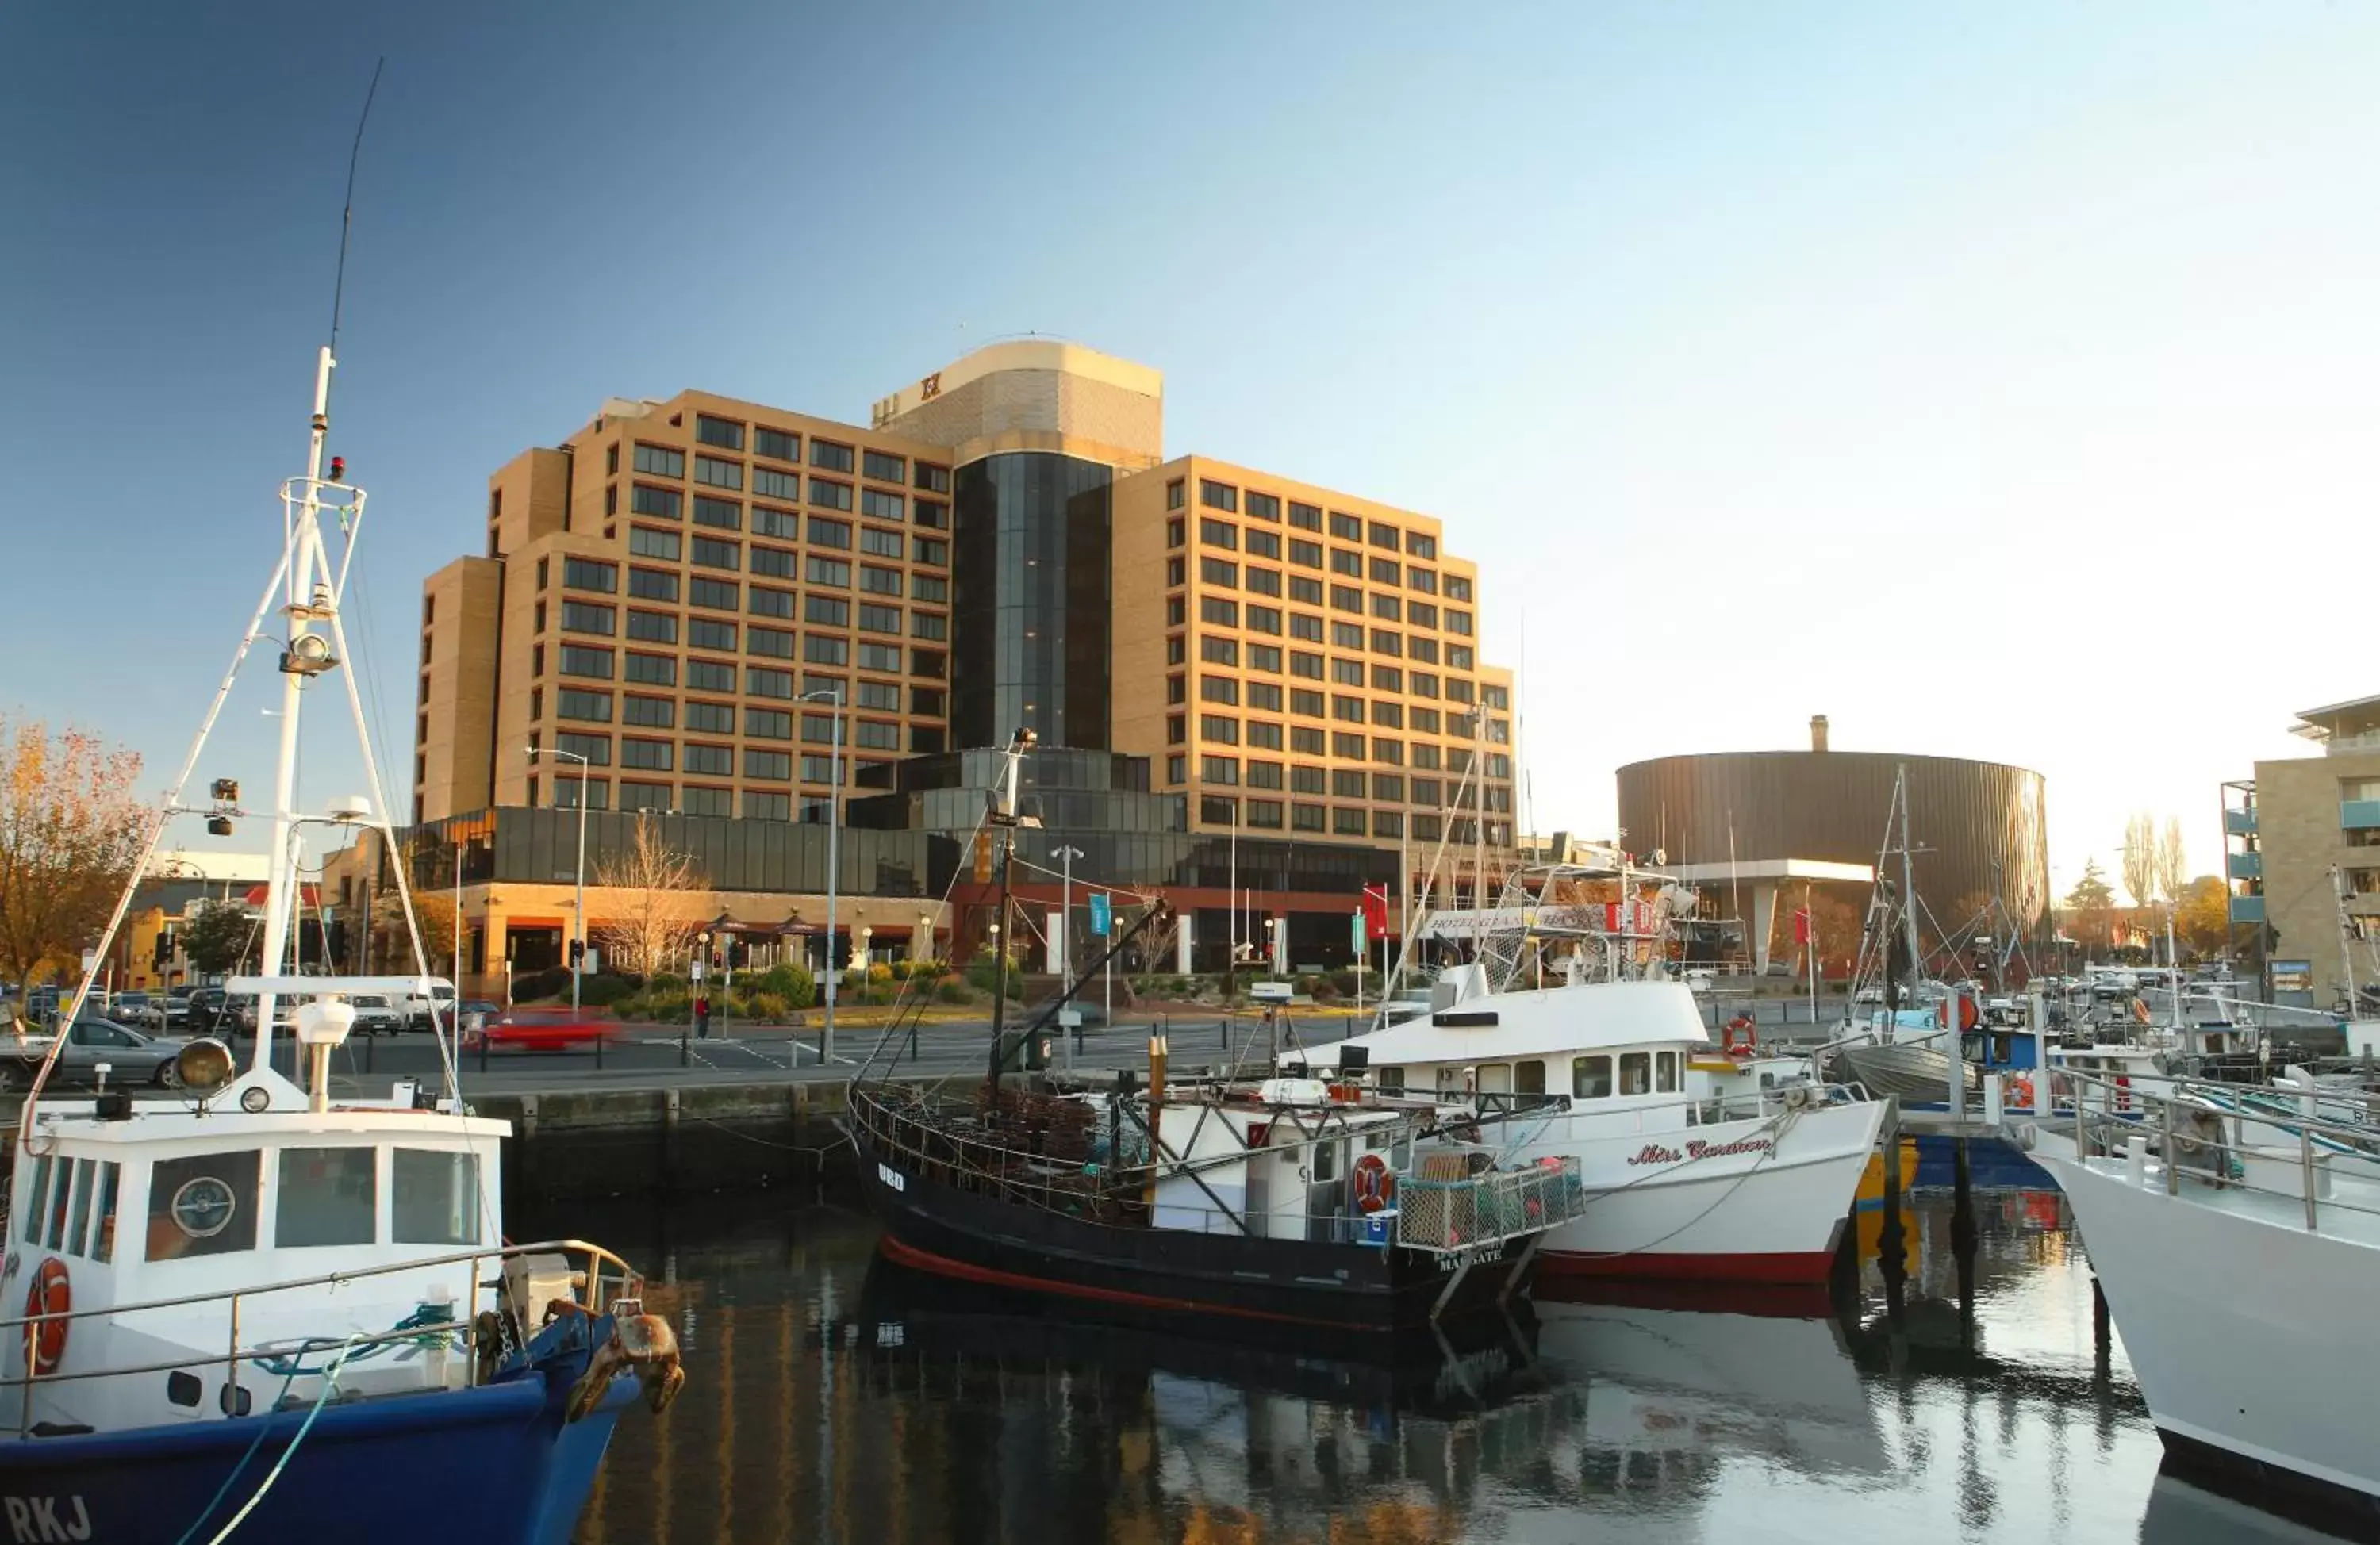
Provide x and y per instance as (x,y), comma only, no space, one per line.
(2293,976)
(1101,916)
(1271,991)
(1356,933)
(591,962)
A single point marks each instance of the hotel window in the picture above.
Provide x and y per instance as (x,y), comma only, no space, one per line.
(1264,619)
(929,588)
(1266,736)
(1390,787)
(659,461)
(1457,588)
(1346,598)
(1307,740)
(1263,812)
(1342,562)
(1263,582)
(1308,591)
(580,661)
(1263,506)
(1419,546)
(1264,544)
(593,706)
(829,496)
(1308,554)
(1176,612)
(1389,608)
(771,562)
(1302,663)
(930,549)
(1302,701)
(871,735)
(1218,688)
(1219,611)
(1388,823)
(1384,571)
(585,617)
(783,525)
(934,514)
(1346,635)
(1219,769)
(832,612)
(1218,651)
(1391,751)
(926,700)
(1347,673)
(1347,528)
(829,571)
(1217,571)
(1306,817)
(644,755)
(1347,822)
(1177,689)
(826,533)
(1219,534)
(879,656)
(1217,496)
(878,543)
(762,807)
(1176,768)
(1264,657)
(717,594)
(1426,828)
(767,602)
(585,573)
(819,650)
(1387,643)
(1459,623)
(1308,781)
(709,676)
(1423,580)
(763,682)
(718,474)
(711,553)
(1385,535)
(597,749)
(721,432)
(698,801)
(724,515)
(767,484)
(1347,709)
(710,718)
(879,581)
(566,793)
(1218,728)
(884,695)
(1458,657)
(774,766)
(1494,698)
(833,457)
(1348,783)
(645,499)
(876,504)
(653,627)
(1306,517)
(651,670)
(1177,572)
(880,618)
(932,478)
(777,445)
(928,625)
(775,642)
(1388,678)
(884,467)
(704,633)
(1423,649)
(611,505)
(767,724)
(819,769)
(1427,790)
(1421,614)
(1423,720)
(1176,495)
(1308,628)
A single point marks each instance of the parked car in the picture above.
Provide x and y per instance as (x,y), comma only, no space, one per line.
(201,1011)
(539,1030)
(132,1056)
(141,1009)
(476,1011)
(375,1015)
(418,1009)
(178,1007)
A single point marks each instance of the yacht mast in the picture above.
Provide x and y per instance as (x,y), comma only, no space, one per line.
(1908,882)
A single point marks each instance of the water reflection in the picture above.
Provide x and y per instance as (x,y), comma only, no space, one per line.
(834,1398)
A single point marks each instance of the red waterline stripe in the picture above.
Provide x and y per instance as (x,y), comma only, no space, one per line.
(1806,1266)
(927,1261)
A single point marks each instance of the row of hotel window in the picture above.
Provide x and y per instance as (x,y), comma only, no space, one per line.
(1221,611)
(715,553)
(1351,784)
(766,724)
(707,632)
(1310,703)
(661,670)
(647,498)
(694,798)
(1213,495)
(783,445)
(1340,820)
(661,584)
(1309,555)
(1346,673)
(700,676)
(719,760)
(1223,575)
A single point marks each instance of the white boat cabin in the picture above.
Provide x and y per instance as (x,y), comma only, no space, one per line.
(1284,1163)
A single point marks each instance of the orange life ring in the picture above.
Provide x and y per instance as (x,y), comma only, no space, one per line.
(1735,1037)
(45,1341)
(1969,1012)
(2019,1090)
(1375,1186)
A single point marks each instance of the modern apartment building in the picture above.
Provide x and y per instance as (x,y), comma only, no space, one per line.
(682,591)
(2303,858)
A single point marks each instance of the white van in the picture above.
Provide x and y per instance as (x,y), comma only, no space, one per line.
(416,1009)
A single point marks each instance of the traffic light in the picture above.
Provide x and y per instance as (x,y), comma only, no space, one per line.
(578,951)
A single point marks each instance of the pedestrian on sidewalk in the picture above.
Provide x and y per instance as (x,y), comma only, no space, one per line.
(702,1015)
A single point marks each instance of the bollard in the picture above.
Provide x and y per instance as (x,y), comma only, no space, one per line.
(369,1042)
(685,1045)
(2136,1159)
(484,1039)
(1993,1113)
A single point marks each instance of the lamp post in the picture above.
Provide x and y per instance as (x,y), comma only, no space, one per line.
(1066,857)
(578,951)
(833,858)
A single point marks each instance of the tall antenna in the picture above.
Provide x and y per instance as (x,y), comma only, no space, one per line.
(347,214)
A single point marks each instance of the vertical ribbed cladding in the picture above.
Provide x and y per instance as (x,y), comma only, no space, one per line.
(1978,826)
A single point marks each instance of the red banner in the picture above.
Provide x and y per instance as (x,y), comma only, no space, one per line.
(1376,911)
(1801,925)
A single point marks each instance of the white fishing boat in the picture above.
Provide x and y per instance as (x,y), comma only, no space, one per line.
(2237,1268)
(1697,1164)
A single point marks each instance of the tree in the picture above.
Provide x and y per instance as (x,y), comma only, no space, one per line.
(2172,862)
(71,834)
(2089,914)
(217,936)
(435,915)
(659,902)
(2204,918)
(2141,858)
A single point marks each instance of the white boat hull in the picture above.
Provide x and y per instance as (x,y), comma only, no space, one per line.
(2242,1325)
(1751,1200)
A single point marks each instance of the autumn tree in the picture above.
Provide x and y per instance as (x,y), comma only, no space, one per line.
(658,900)
(2203,917)
(437,913)
(217,936)
(2141,858)
(71,831)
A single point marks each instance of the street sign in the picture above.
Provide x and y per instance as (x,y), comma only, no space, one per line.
(1100,916)
(590,963)
(698,964)
(1356,933)
(1070,1019)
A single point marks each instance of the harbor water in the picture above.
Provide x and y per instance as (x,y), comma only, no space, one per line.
(834,1398)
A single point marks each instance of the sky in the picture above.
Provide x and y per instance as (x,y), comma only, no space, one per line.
(1996,380)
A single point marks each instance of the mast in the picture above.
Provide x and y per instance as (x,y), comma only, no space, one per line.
(2346,939)
(1908,882)
(1002,817)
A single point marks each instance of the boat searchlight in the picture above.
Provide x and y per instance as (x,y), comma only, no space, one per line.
(204,1066)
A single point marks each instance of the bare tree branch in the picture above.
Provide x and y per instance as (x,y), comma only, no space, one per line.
(658,901)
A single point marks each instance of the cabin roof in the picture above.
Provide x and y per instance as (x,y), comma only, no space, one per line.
(1554,1021)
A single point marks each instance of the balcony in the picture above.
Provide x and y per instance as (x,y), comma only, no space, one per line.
(2247,908)
(2359,814)
(2352,745)
(2240,823)
(2246,867)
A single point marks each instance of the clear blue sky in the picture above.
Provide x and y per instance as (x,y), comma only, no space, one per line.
(1996,379)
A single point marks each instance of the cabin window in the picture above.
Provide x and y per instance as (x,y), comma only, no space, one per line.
(1326,1161)
(1401,1151)
(1665,1063)
(1590,1077)
(203,1205)
(1496,1078)
(33,1200)
(1528,1077)
(103,1214)
(1635,1072)
(80,1237)
(327,1198)
(61,1192)
(1391,1081)
(436,1197)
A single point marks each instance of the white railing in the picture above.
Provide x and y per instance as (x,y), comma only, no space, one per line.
(1455,1216)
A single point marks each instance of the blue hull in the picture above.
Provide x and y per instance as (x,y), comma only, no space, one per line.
(1992,1162)
(495,1463)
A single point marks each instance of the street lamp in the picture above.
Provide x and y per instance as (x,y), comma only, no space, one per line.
(578,919)
(833,858)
